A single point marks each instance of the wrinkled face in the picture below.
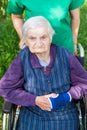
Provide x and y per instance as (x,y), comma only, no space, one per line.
(38,40)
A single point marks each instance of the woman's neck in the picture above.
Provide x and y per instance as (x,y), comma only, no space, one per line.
(44,57)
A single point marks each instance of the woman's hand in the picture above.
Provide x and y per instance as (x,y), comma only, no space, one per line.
(53,95)
(43,102)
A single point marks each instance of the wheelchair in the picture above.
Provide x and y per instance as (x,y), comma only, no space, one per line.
(11,111)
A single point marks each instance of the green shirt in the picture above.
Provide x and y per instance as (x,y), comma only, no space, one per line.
(56,11)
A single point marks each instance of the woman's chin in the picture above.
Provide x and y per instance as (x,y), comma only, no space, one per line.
(39,51)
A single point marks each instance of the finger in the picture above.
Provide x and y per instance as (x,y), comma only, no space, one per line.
(46,108)
(49,95)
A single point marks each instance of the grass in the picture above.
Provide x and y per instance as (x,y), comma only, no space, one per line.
(9,44)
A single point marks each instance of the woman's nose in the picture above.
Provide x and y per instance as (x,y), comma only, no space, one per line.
(38,42)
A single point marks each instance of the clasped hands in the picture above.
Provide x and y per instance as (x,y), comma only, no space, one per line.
(52,101)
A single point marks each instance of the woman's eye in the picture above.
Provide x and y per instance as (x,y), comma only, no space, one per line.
(43,37)
(32,38)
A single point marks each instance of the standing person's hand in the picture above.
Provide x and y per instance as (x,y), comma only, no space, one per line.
(75,48)
(21,43)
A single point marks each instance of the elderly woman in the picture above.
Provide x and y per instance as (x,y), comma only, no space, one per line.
(44,79)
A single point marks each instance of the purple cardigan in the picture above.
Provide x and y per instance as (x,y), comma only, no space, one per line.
(11,83)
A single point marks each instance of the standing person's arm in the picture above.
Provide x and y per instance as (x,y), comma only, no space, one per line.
(18,23)
(16,9)
(75,23)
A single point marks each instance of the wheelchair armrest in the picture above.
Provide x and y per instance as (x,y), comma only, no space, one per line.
(81,54)
(81,50)
(7,107)
(85,102)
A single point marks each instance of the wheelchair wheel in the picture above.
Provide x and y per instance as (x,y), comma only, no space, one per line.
(8,119)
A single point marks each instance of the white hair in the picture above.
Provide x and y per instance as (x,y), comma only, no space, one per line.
(37,21)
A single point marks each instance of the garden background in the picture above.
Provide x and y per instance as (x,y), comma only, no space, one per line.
(9,40)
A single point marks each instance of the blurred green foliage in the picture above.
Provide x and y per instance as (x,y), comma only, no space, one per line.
(8,44)
(3,4)
(8,39)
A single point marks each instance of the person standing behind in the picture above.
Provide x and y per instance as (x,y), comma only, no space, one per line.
(64,17)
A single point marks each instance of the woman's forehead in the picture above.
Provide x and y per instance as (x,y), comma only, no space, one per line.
(39,30)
